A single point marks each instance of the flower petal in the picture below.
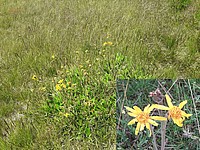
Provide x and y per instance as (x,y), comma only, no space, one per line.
(129,109)
(148,127)
(132,121)
(150,108)
(169,101)
(142,126)
(132,114)
(185,115)
(146,108)
(158,118)
(179,122)
(152,122)
(182,104)
(137,108)
(160,107)
(137,128)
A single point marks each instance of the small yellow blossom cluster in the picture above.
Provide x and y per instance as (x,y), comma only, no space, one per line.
(144,119)
(107,43)
(34,77)
(64,114)
(53,56)
(60,85)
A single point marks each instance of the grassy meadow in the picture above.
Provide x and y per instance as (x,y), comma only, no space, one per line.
(60,60)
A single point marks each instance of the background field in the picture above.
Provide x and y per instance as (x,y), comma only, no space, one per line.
(56,40)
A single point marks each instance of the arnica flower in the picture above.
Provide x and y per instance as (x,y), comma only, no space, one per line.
(60,85)
(60,81)
(34,77)
(174,112)
(143,118)
(107,43)
(53,56)
(66,114)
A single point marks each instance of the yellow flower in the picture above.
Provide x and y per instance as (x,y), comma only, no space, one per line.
(174,112)
(61,81)
(143,118)
(58,87)
(34,77)
(42,88)
(107,43)
(66,114)
(53,56)
(63,85)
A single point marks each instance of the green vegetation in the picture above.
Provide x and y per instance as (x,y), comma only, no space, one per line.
(137,93)
(87,45)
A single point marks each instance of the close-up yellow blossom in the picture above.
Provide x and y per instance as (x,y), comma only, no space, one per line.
(63,85)
(60,81)
(143,118)
(58,87)
(53,56)
(66,114)
(34,77)
(174,112)
(107,43)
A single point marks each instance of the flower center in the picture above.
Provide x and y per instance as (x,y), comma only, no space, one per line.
(175,112)
(142,117)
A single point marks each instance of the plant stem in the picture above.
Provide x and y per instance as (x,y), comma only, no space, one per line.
(154,138)
(163,131)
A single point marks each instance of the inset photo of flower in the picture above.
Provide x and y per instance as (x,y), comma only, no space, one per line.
(158,114)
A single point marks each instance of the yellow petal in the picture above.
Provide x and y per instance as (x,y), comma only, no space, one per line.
(142,127)
(66,114)
(146,108)
(184,114)
(160,107)
(64,86)
(132,114)
(179,122)
(129,109)
(148,127)
(132,121)
(182,104)
(137,128)
(169,101)
(58,88)
(150,109)
(158,118)
(152,122)
(61,81)
(137,109)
